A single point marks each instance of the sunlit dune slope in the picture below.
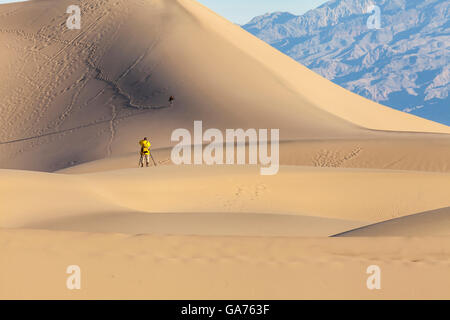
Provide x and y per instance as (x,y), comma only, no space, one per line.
(116,266)
(411,152)
(367,196)
(431,223)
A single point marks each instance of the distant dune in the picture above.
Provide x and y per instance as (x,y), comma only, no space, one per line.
(431,223)
(75,103)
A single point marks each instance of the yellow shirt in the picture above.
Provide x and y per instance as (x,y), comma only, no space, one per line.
(145,146)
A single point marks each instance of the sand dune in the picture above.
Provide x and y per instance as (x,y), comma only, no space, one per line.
(431,223)
(108,83)
(75,103)
(47,196)
(200,224)
(403,153)
(349,194)
(115,266)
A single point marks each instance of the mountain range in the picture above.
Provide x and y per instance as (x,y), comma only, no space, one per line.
(403,64)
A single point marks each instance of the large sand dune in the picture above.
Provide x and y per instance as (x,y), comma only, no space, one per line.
(75,103)
(108,83)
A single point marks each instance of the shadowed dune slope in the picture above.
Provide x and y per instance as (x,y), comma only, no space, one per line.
(200,224)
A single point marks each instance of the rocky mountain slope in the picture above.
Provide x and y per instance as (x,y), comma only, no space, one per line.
(404,64)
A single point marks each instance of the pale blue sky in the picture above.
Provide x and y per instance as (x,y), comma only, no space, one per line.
(8,1)
(241,11)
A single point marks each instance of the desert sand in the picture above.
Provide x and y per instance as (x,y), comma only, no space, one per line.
(434,223)
(360,184)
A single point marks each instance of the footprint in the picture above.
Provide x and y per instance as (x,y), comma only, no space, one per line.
(334,159)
